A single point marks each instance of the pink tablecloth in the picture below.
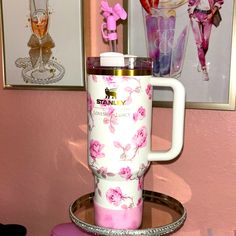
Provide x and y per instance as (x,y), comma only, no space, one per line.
(68,229)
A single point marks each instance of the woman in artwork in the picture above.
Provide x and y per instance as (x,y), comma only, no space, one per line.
(201,13)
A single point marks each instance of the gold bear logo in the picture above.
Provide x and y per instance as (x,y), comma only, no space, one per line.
(110,93)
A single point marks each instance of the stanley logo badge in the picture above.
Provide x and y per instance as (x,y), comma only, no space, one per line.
(110,93)
(111,98)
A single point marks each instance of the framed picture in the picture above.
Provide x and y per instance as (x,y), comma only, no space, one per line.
(206,68)
(42,44)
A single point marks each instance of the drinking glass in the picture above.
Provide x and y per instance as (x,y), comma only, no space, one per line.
(39,18)
(167,29)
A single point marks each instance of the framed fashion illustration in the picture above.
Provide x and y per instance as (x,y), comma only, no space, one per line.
(169,33)
(42,44)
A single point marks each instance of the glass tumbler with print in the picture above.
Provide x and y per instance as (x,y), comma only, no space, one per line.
(167,29)
(119,129)
(39,19)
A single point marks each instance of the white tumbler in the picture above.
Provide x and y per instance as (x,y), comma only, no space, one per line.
(119,144)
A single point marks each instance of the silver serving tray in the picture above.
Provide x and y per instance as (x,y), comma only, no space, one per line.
(162,215)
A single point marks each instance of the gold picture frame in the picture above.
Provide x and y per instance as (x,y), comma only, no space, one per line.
(62,49)
(219,92)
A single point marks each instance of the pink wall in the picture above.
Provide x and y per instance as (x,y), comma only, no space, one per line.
(43,165)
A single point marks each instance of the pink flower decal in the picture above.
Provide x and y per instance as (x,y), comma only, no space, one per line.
(90,103)
(139,141)
(140,114)
(149,91)
(110,80)
(125,172)
(130,92)
(125,149)
(139,201)
(111,119)
(94,78)
(96,149)
(140,183)
(110,110)
(114,196)
(102,171)
(140,138)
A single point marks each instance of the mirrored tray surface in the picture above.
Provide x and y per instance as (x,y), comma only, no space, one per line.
(162,215)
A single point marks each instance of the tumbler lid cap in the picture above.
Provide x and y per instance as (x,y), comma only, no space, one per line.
(114,59)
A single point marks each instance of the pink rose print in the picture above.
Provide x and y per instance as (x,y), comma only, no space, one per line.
(140,138)
(111,119)
(142,169)
(125,172)
(104,172)
(149,91)
(140,183)
(139,201)
(110,110)
(140,114)
(95,149)
(139,141)
(90,104)
(97,187)
(94,78)
(110,80)
(124,155)
(130,92)
(114,196)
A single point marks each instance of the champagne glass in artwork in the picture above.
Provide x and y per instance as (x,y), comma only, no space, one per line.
(39,18)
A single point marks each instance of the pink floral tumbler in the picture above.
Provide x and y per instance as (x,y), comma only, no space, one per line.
(119,121)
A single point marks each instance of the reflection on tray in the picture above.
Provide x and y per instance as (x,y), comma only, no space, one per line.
(162,215)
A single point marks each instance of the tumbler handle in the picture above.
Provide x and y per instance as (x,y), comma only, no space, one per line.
(178,119)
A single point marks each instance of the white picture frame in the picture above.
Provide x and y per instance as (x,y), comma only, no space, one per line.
(67,55)
(217,93)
